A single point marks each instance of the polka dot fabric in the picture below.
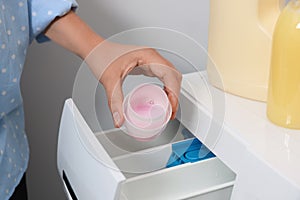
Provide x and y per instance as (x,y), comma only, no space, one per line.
(42,12)
(14,153)
(20,22)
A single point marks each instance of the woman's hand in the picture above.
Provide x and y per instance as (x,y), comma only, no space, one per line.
(112,62)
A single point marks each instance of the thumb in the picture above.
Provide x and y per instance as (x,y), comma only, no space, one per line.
(115,101)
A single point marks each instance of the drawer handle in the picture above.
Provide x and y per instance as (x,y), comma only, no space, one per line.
(69,187)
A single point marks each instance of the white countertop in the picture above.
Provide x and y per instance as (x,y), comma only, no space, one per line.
(265,157)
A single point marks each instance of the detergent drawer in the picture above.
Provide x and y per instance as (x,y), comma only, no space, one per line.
(208,180)
(111,165)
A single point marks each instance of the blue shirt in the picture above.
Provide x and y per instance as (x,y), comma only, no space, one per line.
(20,22)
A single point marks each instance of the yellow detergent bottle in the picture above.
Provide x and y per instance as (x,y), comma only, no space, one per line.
(283,103)
(239,46)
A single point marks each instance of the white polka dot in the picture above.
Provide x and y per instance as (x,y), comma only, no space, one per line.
(15,165)
(8,145)
(6,191)
(17,113)
(50,12)
(13,18)
(19,42)
(33,14)
(21,4)
(17,127)
(4,126)
(14,150)
(13,56)
(2,114)
(38,28)
(8,175)
(9,160)
(0,21)
(14,80)
(14,135)
(1,152)
(8,32)
(4,70)
(3,7)
(3,46)
(12,100)
(23,28)
(22,155)
(3,93)
(21,169)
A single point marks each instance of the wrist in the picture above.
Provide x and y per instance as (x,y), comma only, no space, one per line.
(87,46)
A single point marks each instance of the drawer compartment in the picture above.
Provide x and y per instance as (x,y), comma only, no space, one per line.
(146,175)
(207,179)
(111,165)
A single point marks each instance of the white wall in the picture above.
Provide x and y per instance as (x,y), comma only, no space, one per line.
(50,70)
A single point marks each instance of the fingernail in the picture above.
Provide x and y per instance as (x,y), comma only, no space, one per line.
(117,118)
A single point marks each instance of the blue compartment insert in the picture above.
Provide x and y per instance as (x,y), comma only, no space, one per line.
(188,151)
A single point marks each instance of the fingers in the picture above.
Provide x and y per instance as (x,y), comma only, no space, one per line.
(154,65)
(172,83)
(115,101)
(173,101)
(149,63)
(172,88)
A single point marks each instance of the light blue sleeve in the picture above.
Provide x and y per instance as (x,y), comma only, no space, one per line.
(43,12)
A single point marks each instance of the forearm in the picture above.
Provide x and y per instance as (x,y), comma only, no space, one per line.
(70,32)
(111,62)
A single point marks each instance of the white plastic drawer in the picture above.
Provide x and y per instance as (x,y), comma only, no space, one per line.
(110,165)
(206,179)
(201,180)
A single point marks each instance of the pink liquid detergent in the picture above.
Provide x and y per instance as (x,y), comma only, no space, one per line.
(148,109)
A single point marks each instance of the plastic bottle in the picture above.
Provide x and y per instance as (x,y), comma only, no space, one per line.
(283,103)
(239,45)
